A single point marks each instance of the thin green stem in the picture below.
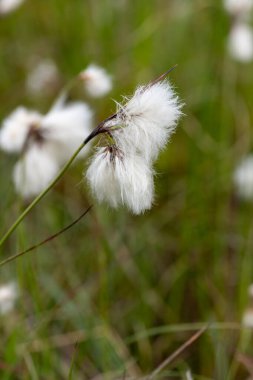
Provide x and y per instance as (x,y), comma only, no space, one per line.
(47,240)
(65,91)
(41,195)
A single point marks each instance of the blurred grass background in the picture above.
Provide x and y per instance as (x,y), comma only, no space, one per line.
(117,294)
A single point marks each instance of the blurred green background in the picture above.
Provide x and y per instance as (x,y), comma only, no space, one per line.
(117,294)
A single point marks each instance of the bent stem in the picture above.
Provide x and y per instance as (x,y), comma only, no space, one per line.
(41,195)
(47,240)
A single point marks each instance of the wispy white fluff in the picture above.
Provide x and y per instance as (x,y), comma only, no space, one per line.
(122,173)
(7,6)
(238,7)
(120,178)
(8,297)
(147,120)
(15,129)
(96,81)
(243,178)
(34,171)
(240,42)
(42,77)
(247,319)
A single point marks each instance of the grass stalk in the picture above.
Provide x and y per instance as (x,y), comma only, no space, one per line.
(41,195)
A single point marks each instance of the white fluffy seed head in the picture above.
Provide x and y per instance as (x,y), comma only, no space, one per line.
(65,127)
(122,174)
(250,290)
(240,42)
(34,171)
(238,7)
(243,178)
(96,81)
(247,319)
(42,77)
(147,120)
(15,129)
(119,178)
(7,6)
(8,297)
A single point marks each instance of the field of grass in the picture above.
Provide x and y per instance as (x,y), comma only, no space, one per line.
(116,295)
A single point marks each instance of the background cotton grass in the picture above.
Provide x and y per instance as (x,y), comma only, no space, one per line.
(42,78)
(247,318)
(65,127)
(97,82)
(8,297)
(243,178)
(122,172)
(240,38)
(16,127)
(45,143)
(238,8)
(34,171)
(240,42)
(7,6)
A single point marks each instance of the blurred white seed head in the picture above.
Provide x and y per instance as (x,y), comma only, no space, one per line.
(148,119)
(188,375)
(65,127)
(7,6)
(119,178)
(240,42)
(247,319)
(15,129)
(238,7)
(34,171)
(243,178)
(250,291)
(41,79)
(96,81)
(46,142)
(8,297)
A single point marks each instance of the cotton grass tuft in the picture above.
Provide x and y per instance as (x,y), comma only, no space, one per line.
(122,172)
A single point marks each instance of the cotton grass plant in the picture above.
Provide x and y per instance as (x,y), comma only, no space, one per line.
(97,82)
(243,178)
(121,172)
(116,296)
(42,77)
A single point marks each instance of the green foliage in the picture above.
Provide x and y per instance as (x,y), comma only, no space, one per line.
(118,294)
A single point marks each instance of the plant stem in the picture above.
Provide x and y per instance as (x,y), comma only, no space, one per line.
(41,195)
(47,240)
